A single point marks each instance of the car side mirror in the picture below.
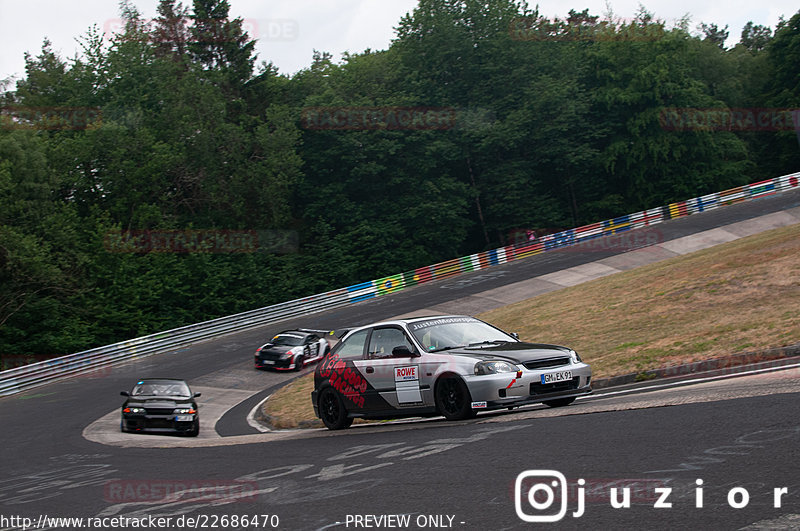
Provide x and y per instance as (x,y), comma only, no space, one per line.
(403,351)
(195,395)
(124,393)
(514,335)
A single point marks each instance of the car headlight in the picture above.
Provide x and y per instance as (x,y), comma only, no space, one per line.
(574,356)
(494,367)
(134,410)
(185,411)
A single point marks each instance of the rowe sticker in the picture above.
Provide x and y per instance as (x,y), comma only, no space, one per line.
(406,374)
(406,383)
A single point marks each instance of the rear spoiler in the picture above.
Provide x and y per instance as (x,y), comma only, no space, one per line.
(338,333)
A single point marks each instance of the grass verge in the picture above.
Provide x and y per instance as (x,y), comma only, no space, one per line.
(290,406)
(739,296)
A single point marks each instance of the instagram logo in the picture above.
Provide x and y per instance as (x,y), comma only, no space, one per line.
(536,490)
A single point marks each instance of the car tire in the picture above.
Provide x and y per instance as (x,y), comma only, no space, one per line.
(453,400)
(195,429)
(559,402)
(332,410)
(298,362)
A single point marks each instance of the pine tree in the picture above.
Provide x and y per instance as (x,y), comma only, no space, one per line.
(219,44)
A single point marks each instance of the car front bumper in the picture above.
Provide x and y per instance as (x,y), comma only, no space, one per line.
(157,423)
(277,364)
(502,390)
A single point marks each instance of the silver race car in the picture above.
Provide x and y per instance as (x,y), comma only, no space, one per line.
(453,366)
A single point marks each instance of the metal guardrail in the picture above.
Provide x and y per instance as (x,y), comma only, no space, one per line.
(35,374)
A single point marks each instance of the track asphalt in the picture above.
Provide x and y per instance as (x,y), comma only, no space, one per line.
(735,435)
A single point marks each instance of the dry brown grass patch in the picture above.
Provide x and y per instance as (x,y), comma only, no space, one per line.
(743,295)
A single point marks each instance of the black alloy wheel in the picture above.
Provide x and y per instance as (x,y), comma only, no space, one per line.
(453,400)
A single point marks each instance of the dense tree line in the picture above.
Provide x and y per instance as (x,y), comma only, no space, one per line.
(479,119)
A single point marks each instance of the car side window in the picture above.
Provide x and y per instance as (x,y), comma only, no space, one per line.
(353,346)
(384,340)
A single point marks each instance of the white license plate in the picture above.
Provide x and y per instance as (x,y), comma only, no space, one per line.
(183,418)
(553,377)
(269,362)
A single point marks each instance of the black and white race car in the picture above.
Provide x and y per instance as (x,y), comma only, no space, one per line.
(292,349)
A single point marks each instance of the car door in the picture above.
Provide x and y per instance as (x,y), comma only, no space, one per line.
(394,382)
(313,346)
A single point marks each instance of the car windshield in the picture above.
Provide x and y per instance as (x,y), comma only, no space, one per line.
(288,340)
(160,389)
(451,332)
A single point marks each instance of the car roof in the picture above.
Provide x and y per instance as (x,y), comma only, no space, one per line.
(299,333)
(409,320)
(159,380)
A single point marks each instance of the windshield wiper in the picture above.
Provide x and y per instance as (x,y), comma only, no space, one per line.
(451,347)
(492,342)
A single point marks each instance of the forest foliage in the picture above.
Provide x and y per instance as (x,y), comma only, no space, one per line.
(137,179)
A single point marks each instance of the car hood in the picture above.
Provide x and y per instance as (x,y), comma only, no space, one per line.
(269,347)
(517,352)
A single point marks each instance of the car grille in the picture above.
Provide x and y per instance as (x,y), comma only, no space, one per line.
(160,423)
(159,411)
(546,363)
(542,389)
(272,356)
